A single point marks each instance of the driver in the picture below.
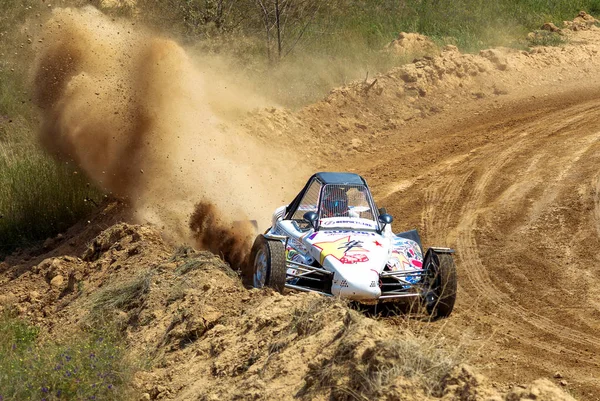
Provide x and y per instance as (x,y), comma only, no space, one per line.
(335,202)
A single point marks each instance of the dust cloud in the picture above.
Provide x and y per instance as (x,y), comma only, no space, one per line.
(134,111)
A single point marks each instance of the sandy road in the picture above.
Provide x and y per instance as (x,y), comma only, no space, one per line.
(515,188)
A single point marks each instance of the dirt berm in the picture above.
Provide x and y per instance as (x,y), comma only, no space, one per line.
(208,338)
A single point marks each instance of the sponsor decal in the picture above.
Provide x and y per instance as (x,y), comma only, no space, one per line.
(294,256)
(354,258)
(406,258)
(336,222)
(377,243)
(347,232)
(343,249)
(294,243)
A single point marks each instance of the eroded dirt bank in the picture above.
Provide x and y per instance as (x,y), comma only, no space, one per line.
(493,154)
(208,338)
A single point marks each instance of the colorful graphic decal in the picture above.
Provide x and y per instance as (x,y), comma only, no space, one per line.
(406,255)
(293,255)
(344,250)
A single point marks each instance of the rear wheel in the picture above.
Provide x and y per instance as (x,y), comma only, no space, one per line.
(266,266)
(440,290)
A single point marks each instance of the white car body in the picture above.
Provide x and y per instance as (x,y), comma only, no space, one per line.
(354,251)
(348,249)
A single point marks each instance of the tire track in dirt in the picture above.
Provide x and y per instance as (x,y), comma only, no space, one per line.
(520,201)
(478,274)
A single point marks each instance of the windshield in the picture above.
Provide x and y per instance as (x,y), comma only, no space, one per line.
(349,201)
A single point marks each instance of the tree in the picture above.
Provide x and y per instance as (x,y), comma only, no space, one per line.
(286,21)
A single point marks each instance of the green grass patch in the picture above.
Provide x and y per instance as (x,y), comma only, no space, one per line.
(330,43)
(39,197)
(87,367)
(545,38)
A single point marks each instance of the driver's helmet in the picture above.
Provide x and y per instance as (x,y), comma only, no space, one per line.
(335,202)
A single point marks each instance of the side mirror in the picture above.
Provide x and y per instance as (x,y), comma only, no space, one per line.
(312,218)
(385,219)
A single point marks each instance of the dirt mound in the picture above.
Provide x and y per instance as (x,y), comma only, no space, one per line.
(583,21)
(495,154)
(412,45)
(208,338)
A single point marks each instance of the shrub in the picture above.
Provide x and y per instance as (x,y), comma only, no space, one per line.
(545,38)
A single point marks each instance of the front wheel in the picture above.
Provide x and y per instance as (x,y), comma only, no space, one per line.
(441,285)
(266,266)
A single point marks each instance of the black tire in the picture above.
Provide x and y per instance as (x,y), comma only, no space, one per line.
(440,290)
(266,266)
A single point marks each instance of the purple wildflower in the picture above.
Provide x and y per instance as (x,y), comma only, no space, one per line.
(44,389)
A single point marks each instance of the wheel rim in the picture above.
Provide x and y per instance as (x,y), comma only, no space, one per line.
(431,295)
(260,269)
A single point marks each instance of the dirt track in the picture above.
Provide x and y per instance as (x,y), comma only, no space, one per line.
(515,188)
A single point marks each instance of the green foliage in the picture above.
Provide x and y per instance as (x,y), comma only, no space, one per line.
(91,366)
(327,43)
(545,38)
(39,197)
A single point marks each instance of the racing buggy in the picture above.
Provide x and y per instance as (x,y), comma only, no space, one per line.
(331,239)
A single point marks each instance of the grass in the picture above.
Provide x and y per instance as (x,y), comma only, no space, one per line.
(344,39)
(545,38)
(122,296)
(91,366)
(39,196)
(358,372)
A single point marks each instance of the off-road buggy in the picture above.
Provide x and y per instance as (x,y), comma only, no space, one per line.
(331,239)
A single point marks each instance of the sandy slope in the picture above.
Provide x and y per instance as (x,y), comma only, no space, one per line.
(512,183)
(496,155)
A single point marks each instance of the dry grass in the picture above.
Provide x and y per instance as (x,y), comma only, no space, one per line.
(365,366)
(128,297)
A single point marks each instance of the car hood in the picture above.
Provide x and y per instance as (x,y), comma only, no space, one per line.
(339,249)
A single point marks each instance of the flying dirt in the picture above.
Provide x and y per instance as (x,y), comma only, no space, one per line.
(134,112)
